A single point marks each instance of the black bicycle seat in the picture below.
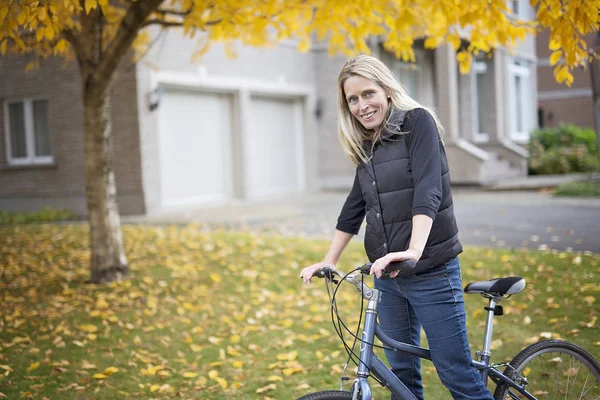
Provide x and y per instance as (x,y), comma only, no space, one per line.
(497,286)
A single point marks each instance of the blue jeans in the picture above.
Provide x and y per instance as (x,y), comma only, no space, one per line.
(432,299)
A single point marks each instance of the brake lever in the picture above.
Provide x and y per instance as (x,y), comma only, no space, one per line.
(328,273)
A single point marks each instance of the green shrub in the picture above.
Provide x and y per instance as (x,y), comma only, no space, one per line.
(579,189)
(45,215)
(563,150)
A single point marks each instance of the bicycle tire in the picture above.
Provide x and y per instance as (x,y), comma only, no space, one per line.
(560,363)
(328,395)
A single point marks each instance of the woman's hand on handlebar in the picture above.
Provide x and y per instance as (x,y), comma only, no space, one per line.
(308,272)
(380,264)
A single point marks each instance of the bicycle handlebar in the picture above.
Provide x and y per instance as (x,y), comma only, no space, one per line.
(406,265)
(365,269)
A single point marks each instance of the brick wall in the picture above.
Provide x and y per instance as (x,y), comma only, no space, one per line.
(558,102)
(62,184)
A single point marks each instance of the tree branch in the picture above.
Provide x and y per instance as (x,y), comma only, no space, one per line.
(126,33)
(166,24)
(174,12)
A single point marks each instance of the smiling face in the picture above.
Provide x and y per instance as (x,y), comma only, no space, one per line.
(367,101)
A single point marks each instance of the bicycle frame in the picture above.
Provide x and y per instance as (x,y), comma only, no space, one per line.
(371,364)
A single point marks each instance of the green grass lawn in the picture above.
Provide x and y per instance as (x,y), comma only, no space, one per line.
(213,315)
(584,188)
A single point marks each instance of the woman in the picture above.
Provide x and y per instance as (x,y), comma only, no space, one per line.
(402,187)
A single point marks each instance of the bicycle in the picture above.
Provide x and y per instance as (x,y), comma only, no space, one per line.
(537,372)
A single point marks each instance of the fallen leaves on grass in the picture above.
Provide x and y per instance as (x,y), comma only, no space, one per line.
(218,313)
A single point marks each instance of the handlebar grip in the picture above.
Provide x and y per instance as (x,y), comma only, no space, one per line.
(405,266)
(325,272)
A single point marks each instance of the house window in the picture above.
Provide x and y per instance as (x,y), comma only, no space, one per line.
(520,8)
(409,74)
(480,111)
(520,95)
(27,132)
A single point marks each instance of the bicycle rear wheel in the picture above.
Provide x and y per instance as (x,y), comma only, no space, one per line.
(553,369)
(328,395)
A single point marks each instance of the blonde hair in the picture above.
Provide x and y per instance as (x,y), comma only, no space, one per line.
(350,131)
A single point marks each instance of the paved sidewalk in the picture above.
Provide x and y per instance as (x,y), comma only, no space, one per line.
(534,182)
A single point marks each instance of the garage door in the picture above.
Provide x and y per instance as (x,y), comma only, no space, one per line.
(194,134)
(273,147)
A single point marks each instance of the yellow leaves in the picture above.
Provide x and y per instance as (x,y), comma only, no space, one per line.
(291,356)
(102,304)
(195,348)
(87,365)
(287,323)
(324,332)
(33,366)
(215,277)
(431,43)
(88,328)
(304,45)
(591,323)
(232,352)
(214,375)
(99,376)
(464,61)
(110,370)
(454,40)
(589,300)
(555,57)
(48,32)
(22,17)
(239,354)
(214,340)
(292,370)
(42,14)
(563,75)
(90,5)
(151,370)
(165,388)
(267,388)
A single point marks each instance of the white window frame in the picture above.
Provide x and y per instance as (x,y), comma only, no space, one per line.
(522,11)
(31,158)
(479,67)
(416,70)
(525,95)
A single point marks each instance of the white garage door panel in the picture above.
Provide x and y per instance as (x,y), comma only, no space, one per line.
(272,147)
(194,130)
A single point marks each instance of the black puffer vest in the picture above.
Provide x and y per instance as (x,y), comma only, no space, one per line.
(387,187)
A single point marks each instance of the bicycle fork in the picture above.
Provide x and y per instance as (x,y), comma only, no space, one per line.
(361,385)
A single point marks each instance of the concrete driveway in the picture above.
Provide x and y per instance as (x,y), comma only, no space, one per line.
(530,219)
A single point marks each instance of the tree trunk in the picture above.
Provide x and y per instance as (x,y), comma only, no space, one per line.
(108,261)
